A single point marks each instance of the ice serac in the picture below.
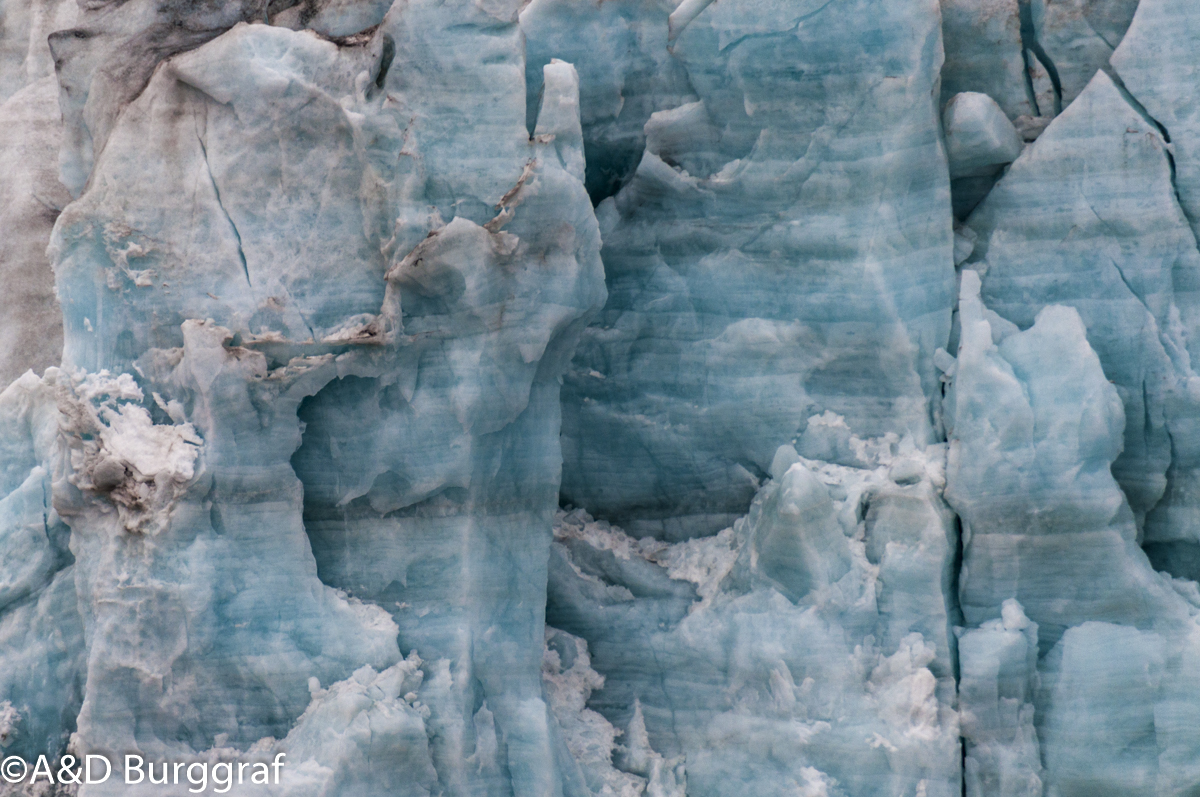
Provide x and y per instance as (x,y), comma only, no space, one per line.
(439,508)
(1034,425)
(203,611)
(783,248)
(41,634)
(1088,217)
(1158,63)
(1077,38)
(807,649)
(316,374)
(626,74)
(996,691)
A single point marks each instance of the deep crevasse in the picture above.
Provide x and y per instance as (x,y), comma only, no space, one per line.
(866,327)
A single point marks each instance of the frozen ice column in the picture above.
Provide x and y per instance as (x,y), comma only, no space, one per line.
(296,246)
(1034,428)
(431,470)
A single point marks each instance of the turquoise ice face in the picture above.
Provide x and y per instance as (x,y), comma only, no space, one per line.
(562,398)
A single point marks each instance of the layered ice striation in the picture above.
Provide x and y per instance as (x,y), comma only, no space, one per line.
(197,428)
(630,399)
(1076,678)
(778,251)
(1059,219)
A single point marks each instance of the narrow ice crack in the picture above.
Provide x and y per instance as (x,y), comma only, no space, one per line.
(307,325)
(1125,281)
(1137,106)
(1162,131)
(796,25)
(45,513)
(299,312)
(1099,35)
(1030,94)
(1030,44)
(1117,266)
(217,193)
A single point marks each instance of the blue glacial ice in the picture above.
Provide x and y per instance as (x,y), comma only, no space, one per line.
(713,398)
(713,348)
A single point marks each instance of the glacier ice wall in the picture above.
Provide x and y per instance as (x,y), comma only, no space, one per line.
(558,398)
(776,243)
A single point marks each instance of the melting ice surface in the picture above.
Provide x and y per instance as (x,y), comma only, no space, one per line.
(561,398)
